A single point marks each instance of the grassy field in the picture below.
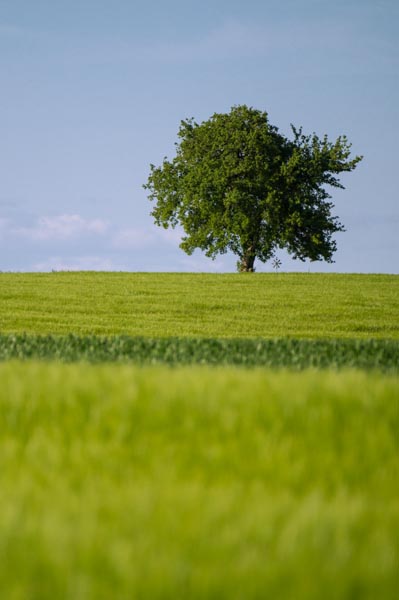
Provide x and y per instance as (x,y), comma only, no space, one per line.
(232,305)
(121,481)
(127,482)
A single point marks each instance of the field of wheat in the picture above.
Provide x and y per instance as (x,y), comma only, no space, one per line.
(198,436)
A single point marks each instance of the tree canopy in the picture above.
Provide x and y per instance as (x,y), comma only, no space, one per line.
(237,184)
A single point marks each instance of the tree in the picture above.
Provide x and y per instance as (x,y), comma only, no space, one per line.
(236,184)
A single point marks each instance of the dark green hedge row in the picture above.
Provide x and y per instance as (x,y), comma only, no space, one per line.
(282,352)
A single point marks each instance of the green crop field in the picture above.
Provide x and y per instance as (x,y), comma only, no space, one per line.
(204,466)
(276,353)
(197,482)
(231,305)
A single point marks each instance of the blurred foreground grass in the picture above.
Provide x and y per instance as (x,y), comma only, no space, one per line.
(148,482)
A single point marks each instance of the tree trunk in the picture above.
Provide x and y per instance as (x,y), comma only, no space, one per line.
(247,262)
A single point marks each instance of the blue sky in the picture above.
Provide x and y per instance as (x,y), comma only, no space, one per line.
(92,92)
